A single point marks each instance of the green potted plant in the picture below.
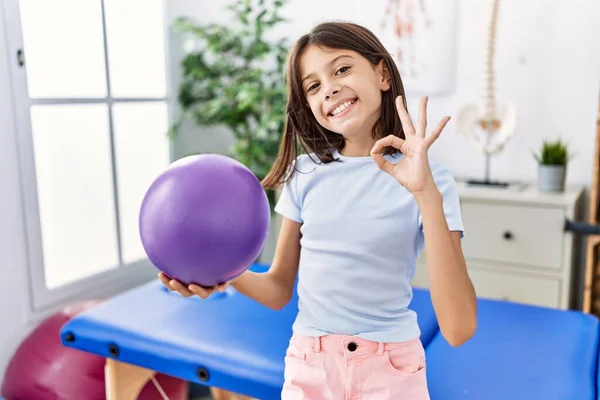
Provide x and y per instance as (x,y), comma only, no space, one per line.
(552,165)
(234,77)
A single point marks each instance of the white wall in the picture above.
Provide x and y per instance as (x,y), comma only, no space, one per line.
(14,292)
(547,63)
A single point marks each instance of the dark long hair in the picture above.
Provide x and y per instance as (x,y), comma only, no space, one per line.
(301,127)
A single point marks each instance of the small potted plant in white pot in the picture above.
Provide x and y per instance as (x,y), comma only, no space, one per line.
(552,168)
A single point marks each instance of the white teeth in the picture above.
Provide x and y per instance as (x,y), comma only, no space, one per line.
(341,108)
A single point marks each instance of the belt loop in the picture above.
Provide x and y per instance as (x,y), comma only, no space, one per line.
(379,348)
(317,347)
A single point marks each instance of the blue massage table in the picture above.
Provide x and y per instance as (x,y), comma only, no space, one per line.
(234,343)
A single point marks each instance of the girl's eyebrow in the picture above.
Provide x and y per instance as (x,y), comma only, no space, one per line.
(330,63)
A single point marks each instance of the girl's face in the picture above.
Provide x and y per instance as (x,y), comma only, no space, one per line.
(343,89)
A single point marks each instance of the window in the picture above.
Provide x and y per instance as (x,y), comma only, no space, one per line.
(91,93)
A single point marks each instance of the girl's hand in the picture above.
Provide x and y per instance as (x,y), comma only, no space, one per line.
(413,171)
(191,290)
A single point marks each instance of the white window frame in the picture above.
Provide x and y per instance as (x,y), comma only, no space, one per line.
(103,284)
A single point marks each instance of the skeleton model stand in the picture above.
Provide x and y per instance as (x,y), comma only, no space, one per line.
(487,127)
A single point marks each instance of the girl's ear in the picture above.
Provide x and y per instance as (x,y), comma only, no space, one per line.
(385,79)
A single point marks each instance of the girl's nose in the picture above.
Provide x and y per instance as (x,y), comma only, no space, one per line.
(331,92)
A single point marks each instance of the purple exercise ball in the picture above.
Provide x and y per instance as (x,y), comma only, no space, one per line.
(204,220)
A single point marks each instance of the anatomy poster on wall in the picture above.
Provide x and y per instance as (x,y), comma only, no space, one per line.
(420,35)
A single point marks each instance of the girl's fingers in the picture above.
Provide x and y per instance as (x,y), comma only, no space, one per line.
(200,291)
(377,149)
(222,287)
(165,281)
(432,137)
(389,140)
(422,124)
(193,289)
(407,124)
(180,288)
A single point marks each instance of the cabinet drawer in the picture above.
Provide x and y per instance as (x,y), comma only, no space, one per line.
(513,234)
(516,288)
(503,285)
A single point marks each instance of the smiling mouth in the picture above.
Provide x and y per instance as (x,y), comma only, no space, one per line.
(342,108)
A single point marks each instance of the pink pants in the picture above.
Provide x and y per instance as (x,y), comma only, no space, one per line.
(337,367)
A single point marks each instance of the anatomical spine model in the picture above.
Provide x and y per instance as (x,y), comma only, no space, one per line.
(487,127)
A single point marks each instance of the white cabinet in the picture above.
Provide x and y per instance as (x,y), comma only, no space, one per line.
(515,245)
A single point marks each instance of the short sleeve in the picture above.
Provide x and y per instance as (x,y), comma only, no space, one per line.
(289,204)
(451,201)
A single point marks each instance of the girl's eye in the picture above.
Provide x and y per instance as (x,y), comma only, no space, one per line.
(343,69)
(312,87)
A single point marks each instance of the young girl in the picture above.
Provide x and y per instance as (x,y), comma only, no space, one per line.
(358,206)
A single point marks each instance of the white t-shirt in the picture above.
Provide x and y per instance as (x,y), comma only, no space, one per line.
(361,235)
